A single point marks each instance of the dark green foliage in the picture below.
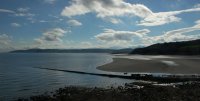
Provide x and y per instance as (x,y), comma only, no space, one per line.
(172,48)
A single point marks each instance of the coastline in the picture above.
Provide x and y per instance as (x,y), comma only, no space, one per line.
(159,64)
(142,90)
(138,91)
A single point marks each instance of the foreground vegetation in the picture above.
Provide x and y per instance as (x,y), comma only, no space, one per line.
(129,92)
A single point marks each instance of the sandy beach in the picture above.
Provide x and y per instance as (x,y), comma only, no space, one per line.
(154,64)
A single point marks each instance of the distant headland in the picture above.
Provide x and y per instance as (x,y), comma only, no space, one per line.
(119,51)
(171,48)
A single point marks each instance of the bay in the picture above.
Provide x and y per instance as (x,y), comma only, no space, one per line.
(18,78)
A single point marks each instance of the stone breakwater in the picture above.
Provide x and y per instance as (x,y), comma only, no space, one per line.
(146,77)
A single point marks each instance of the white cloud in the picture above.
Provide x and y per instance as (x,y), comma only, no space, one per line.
(119,8)
(23,9)
(113,20)
(4,39)
(49,1)
(158,19)
(179,34)
(6,11)
(175,35)
(15,25)
(24,12)
(5,42)
(19,12)
(52,35)
(162,18)
(110,35)
(115,44)
(197,22)
(74,23)
(31,19)
(43,21)
(197,6)
(51,38)
(105,9)
(122,39)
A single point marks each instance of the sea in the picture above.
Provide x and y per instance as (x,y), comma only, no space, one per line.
(19,77)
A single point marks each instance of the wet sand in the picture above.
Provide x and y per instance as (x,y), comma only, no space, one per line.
(172,65)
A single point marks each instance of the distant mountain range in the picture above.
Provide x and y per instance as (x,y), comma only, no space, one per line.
(114,51)
(171,48)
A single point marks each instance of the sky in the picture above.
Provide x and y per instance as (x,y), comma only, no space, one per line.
(75,24)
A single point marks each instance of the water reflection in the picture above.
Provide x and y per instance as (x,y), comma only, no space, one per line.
(18,78)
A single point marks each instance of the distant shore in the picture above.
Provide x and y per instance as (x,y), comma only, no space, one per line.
(150,64)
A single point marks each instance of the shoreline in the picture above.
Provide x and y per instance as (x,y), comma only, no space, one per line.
(155,64)
(144,90)
(138,91)
(147,77)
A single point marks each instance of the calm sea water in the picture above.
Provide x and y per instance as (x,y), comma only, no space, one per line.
(18,78)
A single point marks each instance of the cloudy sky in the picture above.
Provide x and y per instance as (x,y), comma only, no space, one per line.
(69,24)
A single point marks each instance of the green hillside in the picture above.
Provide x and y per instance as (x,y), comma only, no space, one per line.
(171,48)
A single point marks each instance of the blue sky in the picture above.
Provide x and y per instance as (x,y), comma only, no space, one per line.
(67,24)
